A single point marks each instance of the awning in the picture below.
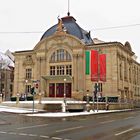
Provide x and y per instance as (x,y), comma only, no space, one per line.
(58,77)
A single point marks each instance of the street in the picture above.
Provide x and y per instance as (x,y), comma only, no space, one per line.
(108,126)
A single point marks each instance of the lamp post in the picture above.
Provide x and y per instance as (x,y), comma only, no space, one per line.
(119,100)
(64,107)
(26,81)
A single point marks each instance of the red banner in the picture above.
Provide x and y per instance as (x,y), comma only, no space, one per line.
(102,63)
(94,65)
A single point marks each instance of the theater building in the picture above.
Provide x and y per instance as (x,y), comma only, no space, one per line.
(65,61)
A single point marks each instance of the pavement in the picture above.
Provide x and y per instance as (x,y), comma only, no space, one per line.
(7,107)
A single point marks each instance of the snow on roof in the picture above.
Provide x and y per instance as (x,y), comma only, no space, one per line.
(5,61)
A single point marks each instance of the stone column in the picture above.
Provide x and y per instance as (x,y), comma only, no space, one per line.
(75,67)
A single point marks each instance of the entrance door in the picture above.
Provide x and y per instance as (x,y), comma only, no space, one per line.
(51,90)
(68,90)
(60,90)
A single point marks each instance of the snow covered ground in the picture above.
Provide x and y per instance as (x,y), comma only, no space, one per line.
(29,112)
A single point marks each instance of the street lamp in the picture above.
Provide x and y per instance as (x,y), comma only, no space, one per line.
(26,81)
(64,108)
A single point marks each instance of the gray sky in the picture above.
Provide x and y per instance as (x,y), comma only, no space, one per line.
(21,16)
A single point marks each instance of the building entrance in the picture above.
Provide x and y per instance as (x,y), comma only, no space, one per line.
(58,89)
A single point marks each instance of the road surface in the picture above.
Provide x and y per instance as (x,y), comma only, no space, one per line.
(109,126)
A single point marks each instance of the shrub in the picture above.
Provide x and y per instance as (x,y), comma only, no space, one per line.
(29,98)
(13,98)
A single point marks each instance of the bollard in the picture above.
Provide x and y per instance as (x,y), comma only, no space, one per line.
(63,107)
(87,104)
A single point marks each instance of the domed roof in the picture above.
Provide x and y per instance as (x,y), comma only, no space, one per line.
(72,28)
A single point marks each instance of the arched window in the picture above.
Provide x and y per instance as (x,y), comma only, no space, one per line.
(60,55)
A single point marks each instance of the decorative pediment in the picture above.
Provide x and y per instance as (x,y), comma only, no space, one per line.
(28,60)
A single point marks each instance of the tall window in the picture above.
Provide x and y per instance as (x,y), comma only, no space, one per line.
(68,70)
(28,73)
(52,70)
(28,88)
(125,70)
(130,73)
(60,70)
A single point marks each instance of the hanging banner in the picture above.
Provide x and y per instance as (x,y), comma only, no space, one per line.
(94,65)
(87,62)
(102,68)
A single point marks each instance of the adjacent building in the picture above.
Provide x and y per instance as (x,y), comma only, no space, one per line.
(57,65)
(6,74)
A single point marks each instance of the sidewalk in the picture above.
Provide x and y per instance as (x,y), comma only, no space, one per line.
(36,112)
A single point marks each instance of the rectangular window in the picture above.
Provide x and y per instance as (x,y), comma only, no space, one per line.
(28,73)
(129,74)
(60,70)
(2,76)
(28,88)
(11,77)
(125,70)
(52,70)
(68,70)
(11,87)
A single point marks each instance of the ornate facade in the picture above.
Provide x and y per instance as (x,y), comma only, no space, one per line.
(57,64)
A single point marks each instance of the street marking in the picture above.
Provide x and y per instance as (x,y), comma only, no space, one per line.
(107,122)
(22,134)
(28,127)
(56,138)
(12,133)
(68,129)
(3,132)
(128,118)
(32,135)
(123,132)
(42,136)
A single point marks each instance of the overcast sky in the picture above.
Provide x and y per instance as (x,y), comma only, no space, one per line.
(23,22)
